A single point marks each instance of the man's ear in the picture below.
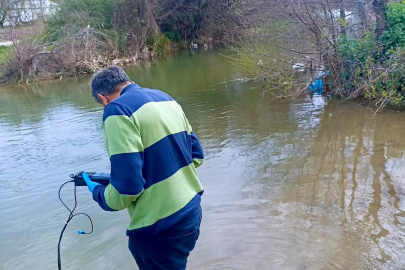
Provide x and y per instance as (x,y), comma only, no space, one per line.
(103,100)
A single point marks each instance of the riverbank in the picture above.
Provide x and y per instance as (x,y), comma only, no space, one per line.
(147,56)
(31,58)
(81,37)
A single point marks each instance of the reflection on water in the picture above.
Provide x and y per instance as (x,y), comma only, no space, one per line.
(303,184)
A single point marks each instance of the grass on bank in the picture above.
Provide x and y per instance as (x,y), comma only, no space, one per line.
(5,54)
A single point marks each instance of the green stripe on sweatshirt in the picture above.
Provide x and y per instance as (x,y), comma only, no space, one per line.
(154,126)
(182,186)
(115,129)
(116,201)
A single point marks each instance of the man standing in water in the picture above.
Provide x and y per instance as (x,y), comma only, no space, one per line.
(154,155)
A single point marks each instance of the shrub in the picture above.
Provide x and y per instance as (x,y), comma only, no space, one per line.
(78,14)
(161,44)
(357,59)
(377,73)
(5,54)
(395,36)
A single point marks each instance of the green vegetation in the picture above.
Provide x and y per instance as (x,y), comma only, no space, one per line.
(376,68)
(394,36)
(161,44)
(134,24)
(359,55)
(363,57)
(83,36)
(81,13)
(5,54)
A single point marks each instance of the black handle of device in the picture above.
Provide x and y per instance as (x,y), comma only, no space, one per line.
(101,178)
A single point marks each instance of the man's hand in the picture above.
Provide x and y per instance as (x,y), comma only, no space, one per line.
(90,184)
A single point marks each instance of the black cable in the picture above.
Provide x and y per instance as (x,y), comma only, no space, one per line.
(71,216)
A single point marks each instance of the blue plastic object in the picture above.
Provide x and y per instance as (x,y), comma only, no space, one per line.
(316,87)
(90,184)
(81,232)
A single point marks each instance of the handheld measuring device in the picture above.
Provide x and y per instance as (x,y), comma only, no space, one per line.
(101,178)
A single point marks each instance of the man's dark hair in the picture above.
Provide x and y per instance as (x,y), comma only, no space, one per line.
(106,81)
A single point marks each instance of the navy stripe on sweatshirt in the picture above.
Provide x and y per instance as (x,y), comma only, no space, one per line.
(166,157)
(126,177)
(158,162)
(132,98)
(197,151)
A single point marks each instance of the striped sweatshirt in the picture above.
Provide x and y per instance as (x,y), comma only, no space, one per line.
(154,155)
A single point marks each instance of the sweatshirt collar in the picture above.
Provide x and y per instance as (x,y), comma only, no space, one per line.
(131,87)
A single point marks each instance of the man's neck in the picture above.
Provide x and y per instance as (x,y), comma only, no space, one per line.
(118,93)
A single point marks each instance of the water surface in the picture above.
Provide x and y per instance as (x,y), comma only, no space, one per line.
(303,184)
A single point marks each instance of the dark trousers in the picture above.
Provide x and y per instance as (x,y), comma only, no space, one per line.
(169,250)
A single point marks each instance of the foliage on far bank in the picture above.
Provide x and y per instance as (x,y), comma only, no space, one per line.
(375,68)
(359,45)
(5,54)
(83,36)
(135,24)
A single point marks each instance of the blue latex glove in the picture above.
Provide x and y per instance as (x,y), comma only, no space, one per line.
(90,184)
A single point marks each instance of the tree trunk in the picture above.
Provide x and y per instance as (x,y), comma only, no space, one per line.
(343,22)
(380,10)
(361,10)
(3,17)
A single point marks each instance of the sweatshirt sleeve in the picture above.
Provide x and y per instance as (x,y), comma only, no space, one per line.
(125,149)
(197,151)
